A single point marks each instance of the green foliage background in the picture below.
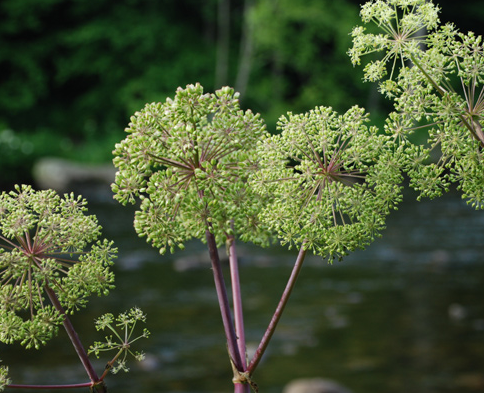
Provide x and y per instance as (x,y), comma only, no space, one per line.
(73,71)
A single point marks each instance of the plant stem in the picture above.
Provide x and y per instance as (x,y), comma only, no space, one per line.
(237,300)
(109,365)
(475,134)
(51,387)
(76,342)
(238,311)
(241,388)
(278,313)
(223,302)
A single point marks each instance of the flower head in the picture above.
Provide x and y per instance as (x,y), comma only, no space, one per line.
(332,180)
(188,160)
(47,243)
(121,338)
(438,91)
(4,380)
(404,23)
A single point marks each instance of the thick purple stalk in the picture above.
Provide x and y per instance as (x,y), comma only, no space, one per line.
(51,387)
(237,300)
(241,388)
(223,301)
(76,342)
(278,313)
(238,312)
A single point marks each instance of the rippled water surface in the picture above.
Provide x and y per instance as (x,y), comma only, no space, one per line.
(406,315)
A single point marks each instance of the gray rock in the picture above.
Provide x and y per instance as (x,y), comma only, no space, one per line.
(314,385)
(199,260)
(63,175)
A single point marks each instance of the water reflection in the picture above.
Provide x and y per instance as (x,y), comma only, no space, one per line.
(406,315)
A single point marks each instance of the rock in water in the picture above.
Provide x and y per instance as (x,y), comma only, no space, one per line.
(314,385)
(61,175)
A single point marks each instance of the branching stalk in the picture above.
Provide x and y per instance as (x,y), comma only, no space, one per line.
(76,342)
(279,310)
(238,311)
(241,388)
(52,387)
(237,300)
(475,135)
(223,302)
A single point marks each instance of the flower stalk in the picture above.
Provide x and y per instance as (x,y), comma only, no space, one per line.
(238,311)
(223,300)
(237,300)
(278,313)
(76,342)
(475,129)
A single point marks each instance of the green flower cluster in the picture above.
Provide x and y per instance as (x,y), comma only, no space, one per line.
(4,380)
(123,340)
(333,180)
(437,90)
(48,249)
(189,160)
(404,24)
(197,162)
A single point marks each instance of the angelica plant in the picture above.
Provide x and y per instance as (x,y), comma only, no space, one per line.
(434,74)
(51,260)
(189,161)
(49,250)
(200,167)
(205,169)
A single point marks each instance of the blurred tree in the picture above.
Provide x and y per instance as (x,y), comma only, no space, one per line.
(79,69)
(223,43)
(299,56)
(97,61)
(73,71)
(465,14)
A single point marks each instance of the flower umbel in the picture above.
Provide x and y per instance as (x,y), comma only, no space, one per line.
(182,158)
(405,24)
(123,339)
(47,244)
(4,380)
(437,92)
(332,179)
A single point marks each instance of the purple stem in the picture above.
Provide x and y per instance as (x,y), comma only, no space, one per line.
(237,300)
(223,301)
(278,313)
(238,311)
(241,388)
(72,386)
(76,342)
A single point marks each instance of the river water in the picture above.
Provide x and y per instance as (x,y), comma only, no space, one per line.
(405,315)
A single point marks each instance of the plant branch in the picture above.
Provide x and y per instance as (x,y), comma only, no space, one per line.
(76,342)
(229,328)
(237,298)
(69,386)
(279,310)
(476,134)
(109,365)
(241,388)
(238,311)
